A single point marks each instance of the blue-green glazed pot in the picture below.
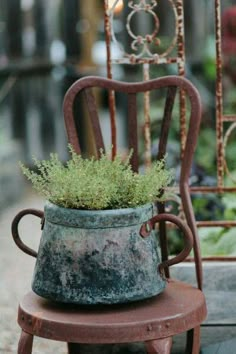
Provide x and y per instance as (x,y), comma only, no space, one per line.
(97,257)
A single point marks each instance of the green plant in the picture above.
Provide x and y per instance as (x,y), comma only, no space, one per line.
(97,184)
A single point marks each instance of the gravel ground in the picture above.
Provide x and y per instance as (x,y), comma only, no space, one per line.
(16,270)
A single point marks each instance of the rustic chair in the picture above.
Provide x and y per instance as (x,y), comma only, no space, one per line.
(181,307)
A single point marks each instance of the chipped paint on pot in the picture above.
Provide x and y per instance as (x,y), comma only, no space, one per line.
(92,257)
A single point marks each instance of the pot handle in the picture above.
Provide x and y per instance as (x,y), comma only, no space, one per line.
(147,227)
(15,233)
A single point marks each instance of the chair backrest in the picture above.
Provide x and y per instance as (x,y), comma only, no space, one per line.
(169,85)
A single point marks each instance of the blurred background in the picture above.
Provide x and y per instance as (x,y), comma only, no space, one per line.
(45,45)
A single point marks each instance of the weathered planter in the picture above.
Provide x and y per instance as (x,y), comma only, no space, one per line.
(91,257)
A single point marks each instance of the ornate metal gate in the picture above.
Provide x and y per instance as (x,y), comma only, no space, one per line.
(147,50)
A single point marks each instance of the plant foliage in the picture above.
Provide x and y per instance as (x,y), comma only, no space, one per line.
(97,184)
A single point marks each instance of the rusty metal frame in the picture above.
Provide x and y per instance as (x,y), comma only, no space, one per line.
(147,57)
(221,118)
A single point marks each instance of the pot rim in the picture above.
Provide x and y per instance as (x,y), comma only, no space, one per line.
(97,218)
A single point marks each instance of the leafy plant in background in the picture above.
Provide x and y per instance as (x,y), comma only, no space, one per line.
(217,241)
(220,241)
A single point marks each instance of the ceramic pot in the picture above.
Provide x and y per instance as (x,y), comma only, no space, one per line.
(98,257)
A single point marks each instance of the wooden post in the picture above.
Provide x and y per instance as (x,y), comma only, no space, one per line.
(41,29)
(71,35)
(90,13)
(14,52)
(13,28)
(47,125)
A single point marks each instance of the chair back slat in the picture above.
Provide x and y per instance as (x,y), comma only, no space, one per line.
(93,114)
(164,132)
(166,121)
(133,130)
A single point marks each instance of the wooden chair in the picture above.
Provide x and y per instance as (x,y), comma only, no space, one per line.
(181,307)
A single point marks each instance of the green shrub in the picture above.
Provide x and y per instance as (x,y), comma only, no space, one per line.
(97,184)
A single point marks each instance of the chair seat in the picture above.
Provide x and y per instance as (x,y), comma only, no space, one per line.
(179,308)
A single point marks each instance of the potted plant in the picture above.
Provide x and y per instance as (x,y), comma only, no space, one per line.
(95,222)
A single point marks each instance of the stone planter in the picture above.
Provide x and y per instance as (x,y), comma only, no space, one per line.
(98,257)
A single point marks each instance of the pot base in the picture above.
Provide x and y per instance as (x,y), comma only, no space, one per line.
(76,297)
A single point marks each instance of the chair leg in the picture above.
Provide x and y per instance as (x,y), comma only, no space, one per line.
(159,346)
(25,344)
(193,341)
(73,348)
